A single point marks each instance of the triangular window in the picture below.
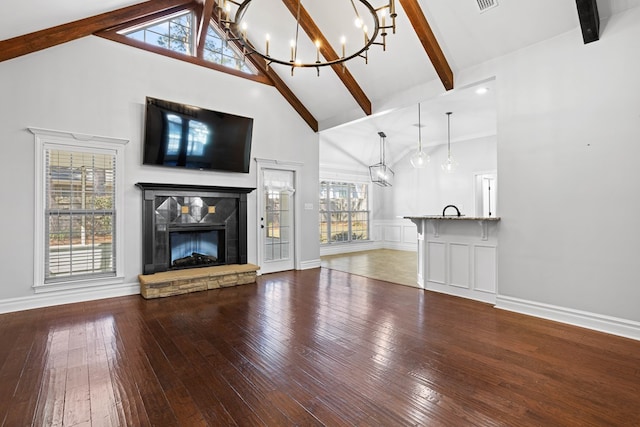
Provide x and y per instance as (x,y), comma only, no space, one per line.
(216,50)
(176,33)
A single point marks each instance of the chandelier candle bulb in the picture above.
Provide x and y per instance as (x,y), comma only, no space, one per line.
(393,14)
(232,14)
(227,12)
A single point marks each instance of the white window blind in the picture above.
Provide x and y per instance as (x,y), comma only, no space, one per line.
(80,215)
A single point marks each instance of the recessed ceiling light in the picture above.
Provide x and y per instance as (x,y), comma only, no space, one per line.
(482,90)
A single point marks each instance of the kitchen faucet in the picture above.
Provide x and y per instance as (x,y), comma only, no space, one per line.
(450,206)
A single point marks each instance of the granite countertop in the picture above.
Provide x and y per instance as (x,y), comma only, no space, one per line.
(455,217)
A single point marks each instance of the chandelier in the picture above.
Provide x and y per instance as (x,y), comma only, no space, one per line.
(380,173)
(231,18)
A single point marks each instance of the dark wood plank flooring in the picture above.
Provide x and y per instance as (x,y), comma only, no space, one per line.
(317,347)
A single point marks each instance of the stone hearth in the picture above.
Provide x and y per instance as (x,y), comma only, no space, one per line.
(178,282)
(194,238)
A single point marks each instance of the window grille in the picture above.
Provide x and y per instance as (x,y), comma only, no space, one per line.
(79,214)
(344,212)
(176,34)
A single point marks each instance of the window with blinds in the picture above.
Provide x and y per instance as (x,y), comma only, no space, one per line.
(80,191)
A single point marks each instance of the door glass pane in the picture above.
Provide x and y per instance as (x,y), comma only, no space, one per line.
(278,192)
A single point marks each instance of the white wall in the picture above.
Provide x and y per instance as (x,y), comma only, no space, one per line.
(569,181)
(95,86)
(427,191)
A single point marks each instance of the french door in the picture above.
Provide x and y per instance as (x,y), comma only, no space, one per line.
(276,219)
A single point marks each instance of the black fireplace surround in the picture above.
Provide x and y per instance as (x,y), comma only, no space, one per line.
(187,226)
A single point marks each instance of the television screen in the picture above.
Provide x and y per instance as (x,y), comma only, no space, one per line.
(186,136)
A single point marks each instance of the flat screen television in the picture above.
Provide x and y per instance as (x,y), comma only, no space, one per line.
(180,135)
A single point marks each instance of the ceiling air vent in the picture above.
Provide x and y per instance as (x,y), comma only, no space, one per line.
(485,5)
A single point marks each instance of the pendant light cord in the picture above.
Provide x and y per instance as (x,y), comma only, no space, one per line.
(449,135)
(419,131)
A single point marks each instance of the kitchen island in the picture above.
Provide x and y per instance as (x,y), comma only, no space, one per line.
(458,255)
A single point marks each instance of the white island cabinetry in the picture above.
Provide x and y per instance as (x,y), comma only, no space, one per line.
(458,255)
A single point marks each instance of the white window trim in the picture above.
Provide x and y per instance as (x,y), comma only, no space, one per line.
(45,139)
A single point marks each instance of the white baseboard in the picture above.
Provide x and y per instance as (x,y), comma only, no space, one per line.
(308,265)
(346,248)
(68,297)
(611,325)
(397,246)
(486,297)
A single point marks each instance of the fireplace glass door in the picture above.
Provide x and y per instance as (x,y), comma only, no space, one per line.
(195,248)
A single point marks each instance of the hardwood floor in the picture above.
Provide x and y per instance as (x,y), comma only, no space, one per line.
(314,347)
(383,264)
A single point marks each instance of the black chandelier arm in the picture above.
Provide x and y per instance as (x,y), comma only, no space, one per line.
(233,28)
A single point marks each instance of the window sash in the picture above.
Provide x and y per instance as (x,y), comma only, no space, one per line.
(82,144)
(344,213)
(80,217)
(176,33)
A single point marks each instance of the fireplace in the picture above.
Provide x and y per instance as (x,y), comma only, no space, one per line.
(196,247)
(188,226)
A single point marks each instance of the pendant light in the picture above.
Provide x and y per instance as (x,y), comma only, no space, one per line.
(450,165)
(380,173)
(419,159)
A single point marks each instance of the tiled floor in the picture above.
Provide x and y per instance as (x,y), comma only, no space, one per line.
(384,264)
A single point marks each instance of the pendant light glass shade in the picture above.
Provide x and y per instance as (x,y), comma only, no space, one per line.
(419,159)
(450,165)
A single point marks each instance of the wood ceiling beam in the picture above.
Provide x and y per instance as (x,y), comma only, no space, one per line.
(204,17)
(284,90)
(43,39)
(279,84)
(314,33)
(428,40)
(589,20)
